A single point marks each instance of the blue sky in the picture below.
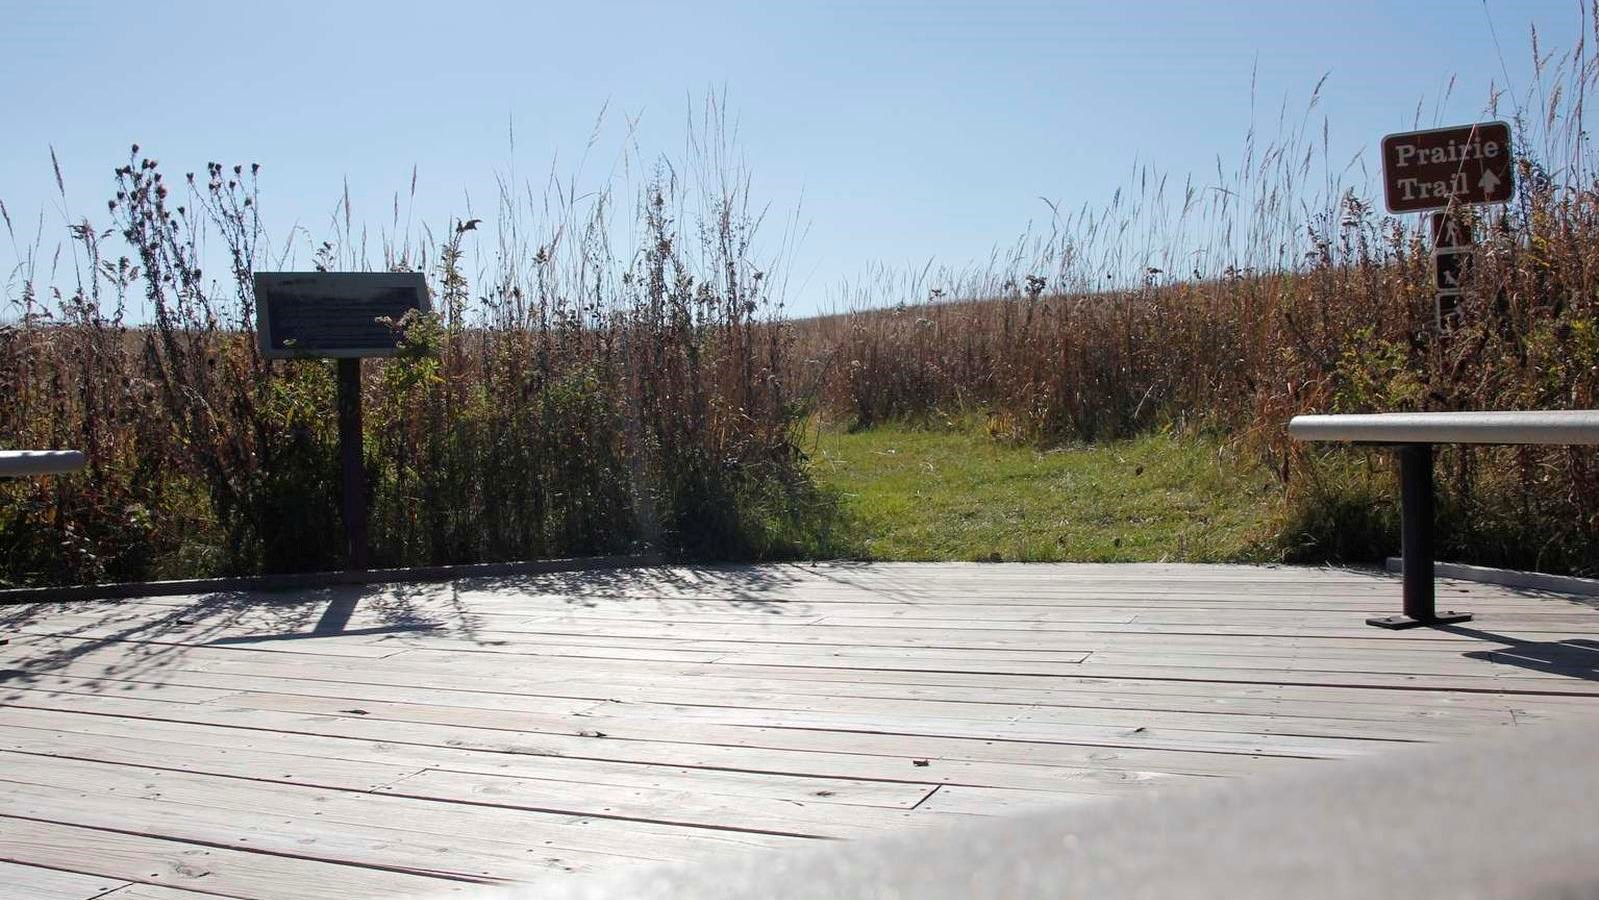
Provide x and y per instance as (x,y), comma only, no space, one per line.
(912,130)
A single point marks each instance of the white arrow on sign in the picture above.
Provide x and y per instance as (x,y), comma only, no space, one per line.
(1489,183)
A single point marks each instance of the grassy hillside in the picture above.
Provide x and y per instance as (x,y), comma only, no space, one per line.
(1233,306)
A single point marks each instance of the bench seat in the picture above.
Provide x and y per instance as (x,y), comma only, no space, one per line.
(1568,426)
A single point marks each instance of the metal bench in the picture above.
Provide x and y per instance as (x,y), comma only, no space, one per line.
(1414,434)
(25,463)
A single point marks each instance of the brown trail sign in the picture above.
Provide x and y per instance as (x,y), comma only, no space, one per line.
(1462,166)
(1445,169)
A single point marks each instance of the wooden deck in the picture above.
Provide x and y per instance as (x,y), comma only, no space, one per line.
(417,739)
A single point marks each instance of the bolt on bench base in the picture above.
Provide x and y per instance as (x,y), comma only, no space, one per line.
(1397,622)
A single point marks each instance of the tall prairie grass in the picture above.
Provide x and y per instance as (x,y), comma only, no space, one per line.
(1276,288)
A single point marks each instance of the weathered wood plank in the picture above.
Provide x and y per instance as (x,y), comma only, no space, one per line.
(152,892)
(147,809)
(533,680)
(794,752)
(991,801)
(653,700)
(35,883)
(793,818)
(366,766)
(353,804)
(134,857)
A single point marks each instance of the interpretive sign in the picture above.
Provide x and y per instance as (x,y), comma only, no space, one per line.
(1443,167)
(346,315)
(333,314)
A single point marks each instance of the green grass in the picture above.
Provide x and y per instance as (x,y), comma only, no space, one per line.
(917,494)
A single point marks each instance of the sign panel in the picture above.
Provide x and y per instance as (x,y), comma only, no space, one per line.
(1451,268)
(333,314)
(1466,165)
(1449,231)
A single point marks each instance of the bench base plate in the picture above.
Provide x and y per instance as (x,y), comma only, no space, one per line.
(1446,617)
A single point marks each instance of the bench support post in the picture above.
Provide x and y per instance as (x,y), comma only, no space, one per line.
(1416,493)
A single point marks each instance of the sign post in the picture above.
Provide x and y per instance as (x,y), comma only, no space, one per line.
(343,316)
(352,465)
(1447,169)
(1452,248)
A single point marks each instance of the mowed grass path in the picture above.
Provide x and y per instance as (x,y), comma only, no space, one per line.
(913,494)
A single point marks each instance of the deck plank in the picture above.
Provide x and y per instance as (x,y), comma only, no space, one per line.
(129,856)
(51,884)
(734,704)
